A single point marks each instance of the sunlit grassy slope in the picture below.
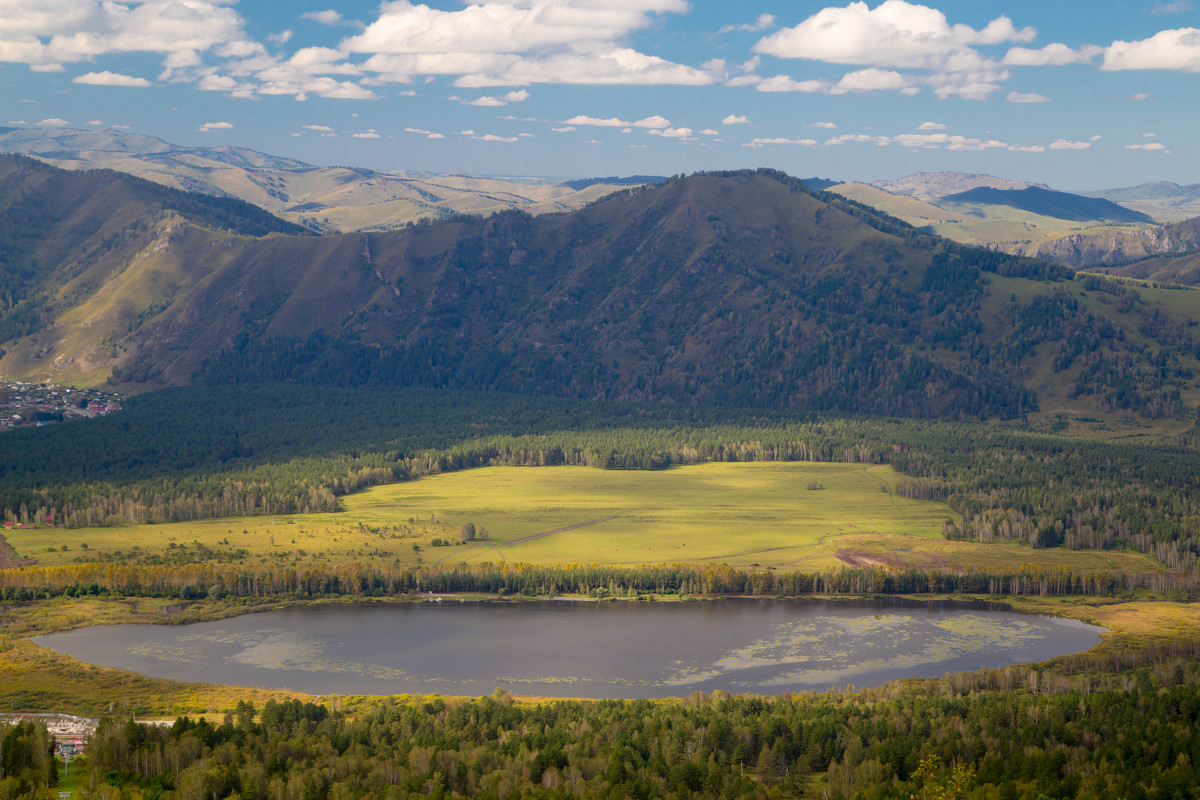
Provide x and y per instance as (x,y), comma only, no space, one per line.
(1003,227)
(740,514)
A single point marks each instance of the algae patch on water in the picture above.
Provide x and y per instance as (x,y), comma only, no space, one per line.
(835,649)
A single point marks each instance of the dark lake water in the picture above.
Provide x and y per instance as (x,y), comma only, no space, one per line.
(574,649)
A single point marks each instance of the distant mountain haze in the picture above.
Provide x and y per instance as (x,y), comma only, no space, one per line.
(324,199)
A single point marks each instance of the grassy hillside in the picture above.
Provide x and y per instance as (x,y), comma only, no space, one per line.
(1047,203)
(1025,220)
(918,213)
(929,186)
(84,249)
(998,227)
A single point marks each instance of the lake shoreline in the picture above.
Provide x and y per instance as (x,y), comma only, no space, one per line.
(471,645)
(173,611)
(38,679)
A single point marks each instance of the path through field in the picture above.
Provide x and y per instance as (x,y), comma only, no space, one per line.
(9,559)
(556,530)
(530,538)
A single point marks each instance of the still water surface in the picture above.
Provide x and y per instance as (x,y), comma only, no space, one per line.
(574,649)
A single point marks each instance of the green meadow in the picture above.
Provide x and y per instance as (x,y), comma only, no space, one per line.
(785,515)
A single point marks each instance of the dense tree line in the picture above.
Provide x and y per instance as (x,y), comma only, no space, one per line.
(27,766)
(321,579)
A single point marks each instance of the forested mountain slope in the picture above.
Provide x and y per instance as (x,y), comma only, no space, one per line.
(1184,269)
(65,237)
(740,289)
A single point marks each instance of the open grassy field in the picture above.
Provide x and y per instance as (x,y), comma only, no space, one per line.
(740,514)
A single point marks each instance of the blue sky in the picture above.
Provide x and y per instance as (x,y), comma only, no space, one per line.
(1079,95)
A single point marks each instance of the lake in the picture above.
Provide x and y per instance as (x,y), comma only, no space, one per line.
(580,649)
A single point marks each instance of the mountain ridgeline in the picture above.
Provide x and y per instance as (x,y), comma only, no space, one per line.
(1047,203)
(740,289)
(743,289)
(63,234)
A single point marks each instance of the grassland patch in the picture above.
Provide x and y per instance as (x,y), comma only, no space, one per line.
(785,515)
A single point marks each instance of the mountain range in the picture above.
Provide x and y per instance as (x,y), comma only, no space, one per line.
(1163,200)
(1100,229)
(324,199)
(1095,229)
(932,186)
(745,289)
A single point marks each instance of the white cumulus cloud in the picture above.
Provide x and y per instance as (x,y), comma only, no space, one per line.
(326,17)
(1055,54)
(215,126)
(672,133)
(897,35)
(893,34)
(1177,50)
(425,133)
(520,42)
(782,83)
(518,96)
(779,140)
(1023,97)
(653,122)
(761,23)
(927,141)
(735,119)
(323,86)
(858,138)
(874,80)
(51,32)
(610,122)
(106,78)
(1063,144)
